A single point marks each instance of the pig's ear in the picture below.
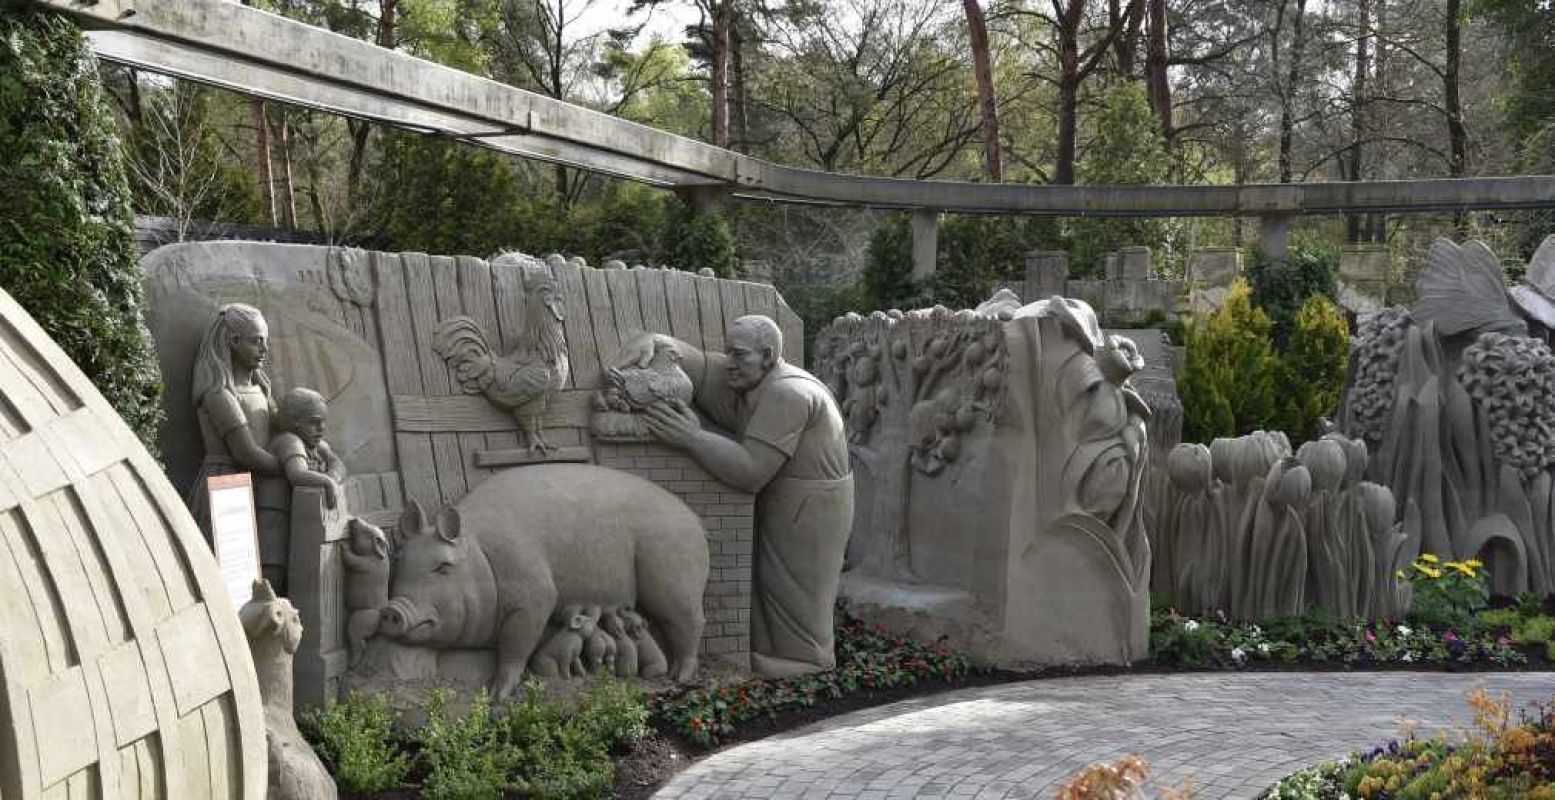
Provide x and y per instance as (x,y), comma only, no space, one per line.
(448,524)
(413,520)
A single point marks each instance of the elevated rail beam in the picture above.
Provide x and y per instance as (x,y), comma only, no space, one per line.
(226,44)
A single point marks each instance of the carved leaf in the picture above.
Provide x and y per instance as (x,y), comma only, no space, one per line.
(1461,289)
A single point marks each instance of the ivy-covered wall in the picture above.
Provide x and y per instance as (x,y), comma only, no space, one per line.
(67,246)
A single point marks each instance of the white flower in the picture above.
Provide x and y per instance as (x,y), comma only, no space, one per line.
(1256,631)
(1238,654)
(1264,648)
(1191,625)
(1403,630)
(1407,657)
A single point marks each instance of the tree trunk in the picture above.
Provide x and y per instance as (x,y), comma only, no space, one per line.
(1353,222)
(722,11)
(977,27)
(740,135)
(1125,48)
(1068,90)
(388,12)
(1157,79)
(1288,92)
(288,198)
(1457,136)
(266,178)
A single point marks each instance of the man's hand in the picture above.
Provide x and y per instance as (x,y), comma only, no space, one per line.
(636,353)
(674,424)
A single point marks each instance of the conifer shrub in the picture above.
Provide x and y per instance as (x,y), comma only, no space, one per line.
(67,243)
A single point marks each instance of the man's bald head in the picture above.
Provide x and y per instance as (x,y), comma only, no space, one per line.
(754,346)
(758,332)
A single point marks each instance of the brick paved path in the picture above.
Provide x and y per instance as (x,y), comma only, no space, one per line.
(1232,734)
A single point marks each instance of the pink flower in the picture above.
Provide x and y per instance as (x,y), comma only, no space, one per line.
(1371,637)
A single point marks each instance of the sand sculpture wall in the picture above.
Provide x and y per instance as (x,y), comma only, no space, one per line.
(998,454)
(364,329)
(1453,397)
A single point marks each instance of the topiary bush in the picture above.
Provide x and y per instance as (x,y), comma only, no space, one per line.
(1228,379)
(1312,368)
(67,244)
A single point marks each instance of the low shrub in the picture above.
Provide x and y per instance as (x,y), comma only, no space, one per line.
(530,746)
(868,659)
(355,738)
(466,757)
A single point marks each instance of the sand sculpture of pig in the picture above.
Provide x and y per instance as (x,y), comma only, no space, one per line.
(490,570)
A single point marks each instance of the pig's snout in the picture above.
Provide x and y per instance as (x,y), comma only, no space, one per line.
(400,619)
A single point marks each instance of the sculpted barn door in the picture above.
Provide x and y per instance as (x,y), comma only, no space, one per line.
(123,670)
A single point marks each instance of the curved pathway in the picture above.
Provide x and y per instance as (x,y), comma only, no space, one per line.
(1231,734)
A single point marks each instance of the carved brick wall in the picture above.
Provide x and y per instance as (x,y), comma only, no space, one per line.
(729,517)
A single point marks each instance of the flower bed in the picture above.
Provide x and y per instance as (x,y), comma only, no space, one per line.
(1216,643)
(869,659)
(1497,760)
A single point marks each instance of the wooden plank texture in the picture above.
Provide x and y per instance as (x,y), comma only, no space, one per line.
(680,292)
(606,337)
(710,310)
(402,372)
(624,302)
(446,459)
(650,293)
(583,353)
(446,414)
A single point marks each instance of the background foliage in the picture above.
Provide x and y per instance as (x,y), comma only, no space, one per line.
(67,249)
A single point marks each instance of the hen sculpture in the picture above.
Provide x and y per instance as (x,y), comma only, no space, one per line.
(635,388)
(523,381)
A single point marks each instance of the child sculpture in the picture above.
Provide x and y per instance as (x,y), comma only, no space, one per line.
(366,558)
(306,460)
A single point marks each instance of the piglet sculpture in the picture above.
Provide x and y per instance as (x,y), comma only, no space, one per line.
(490,570)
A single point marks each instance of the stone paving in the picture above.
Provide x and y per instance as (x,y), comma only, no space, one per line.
(1231,734)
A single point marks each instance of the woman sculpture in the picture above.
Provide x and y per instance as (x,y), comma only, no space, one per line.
(233,402)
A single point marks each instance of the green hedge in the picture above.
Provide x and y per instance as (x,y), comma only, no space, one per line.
(67,245)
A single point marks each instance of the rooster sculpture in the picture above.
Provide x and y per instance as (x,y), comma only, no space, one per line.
(523,381)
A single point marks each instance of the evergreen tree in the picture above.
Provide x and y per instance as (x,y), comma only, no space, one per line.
(67,244)
(1312,368)
(1228,381)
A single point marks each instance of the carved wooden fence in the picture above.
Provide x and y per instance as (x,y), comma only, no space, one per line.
(441,433)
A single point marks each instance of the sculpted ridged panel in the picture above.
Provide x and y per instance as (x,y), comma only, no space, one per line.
(123,669)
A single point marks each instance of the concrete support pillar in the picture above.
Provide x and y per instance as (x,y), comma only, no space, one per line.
(1274,235)
(925,244)
(710,197)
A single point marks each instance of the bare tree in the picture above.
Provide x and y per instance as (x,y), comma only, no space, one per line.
(988,103)
(176,174)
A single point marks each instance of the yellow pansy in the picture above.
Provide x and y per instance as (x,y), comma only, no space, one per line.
(1462,568)
(1475,563)
(1429,558)
(1430,572)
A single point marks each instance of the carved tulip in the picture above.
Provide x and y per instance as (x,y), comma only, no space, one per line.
(1239,460)
(1189,467)
(1325,460)
(1288,484)
(1378,505)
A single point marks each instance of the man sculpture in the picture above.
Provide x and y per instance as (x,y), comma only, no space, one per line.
(792,453)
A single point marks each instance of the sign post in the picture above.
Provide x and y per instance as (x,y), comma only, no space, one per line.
(235,533)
